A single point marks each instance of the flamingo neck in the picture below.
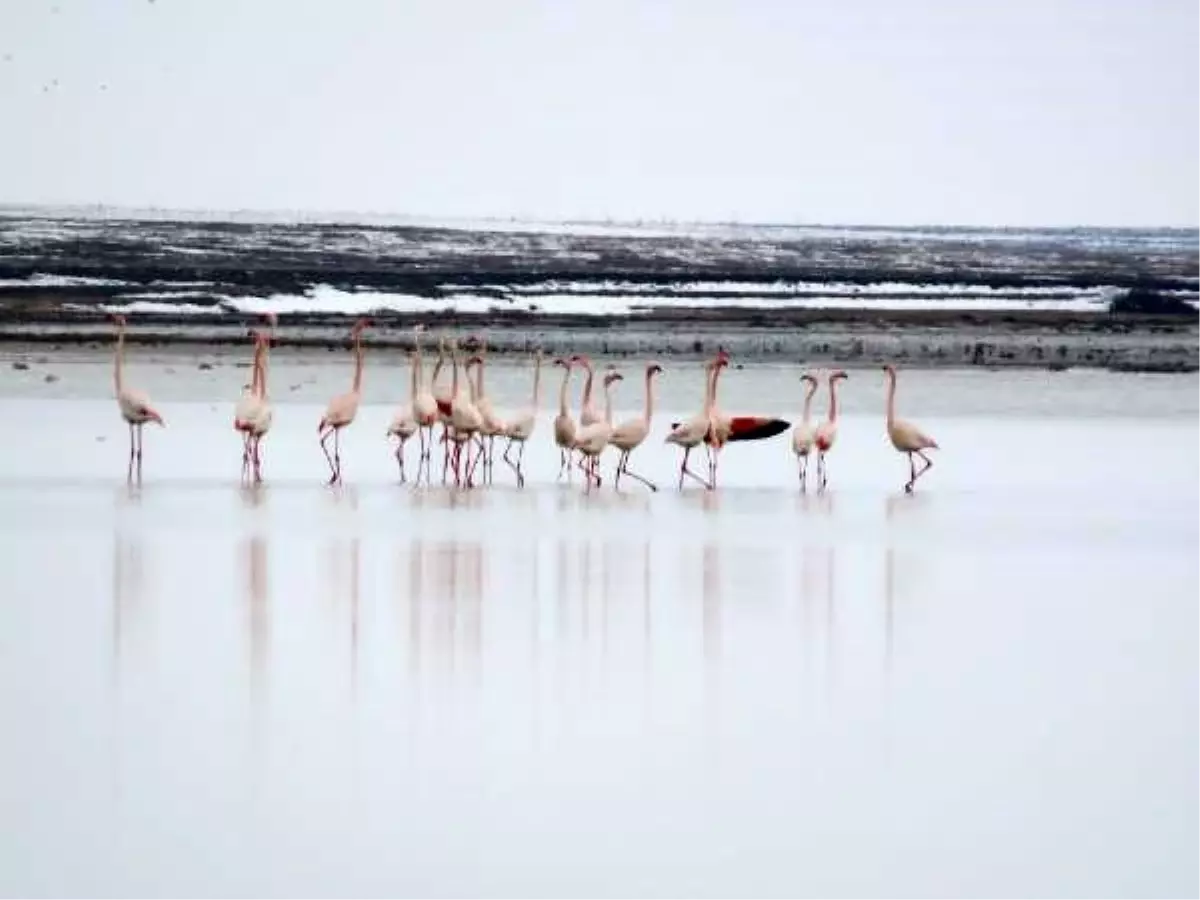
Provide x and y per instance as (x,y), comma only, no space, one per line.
(649,398)
(808,399)
(419,371)
(358,364)
(476,385)
(587,387)
(891,399)
(832,399)
(562,394)
(414,377)
(537,383)
(711,402)
(118,375)
(608,404)
(258,381)
(437,370)
(454,387)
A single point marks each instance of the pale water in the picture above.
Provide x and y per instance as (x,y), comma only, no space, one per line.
(986,689)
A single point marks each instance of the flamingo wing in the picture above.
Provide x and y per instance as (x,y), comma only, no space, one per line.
(756,428)
(443,407)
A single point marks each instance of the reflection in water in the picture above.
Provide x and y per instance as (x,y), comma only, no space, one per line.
(127,589)
(344,575)
(257,591)
(444,600)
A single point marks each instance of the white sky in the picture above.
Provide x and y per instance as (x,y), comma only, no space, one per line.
(1023,112)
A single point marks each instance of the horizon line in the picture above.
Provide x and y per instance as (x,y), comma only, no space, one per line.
(348,215)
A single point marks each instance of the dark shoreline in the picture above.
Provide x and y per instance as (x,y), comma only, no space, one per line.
(934,338)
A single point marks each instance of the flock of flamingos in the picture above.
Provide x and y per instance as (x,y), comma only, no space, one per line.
(470,424)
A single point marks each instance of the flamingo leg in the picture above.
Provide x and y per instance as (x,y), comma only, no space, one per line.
(333,469)
(624,467)
(446,452)
(684,470)
(917,474)
(521,465)
(400,459)
(802,470)
(257,458)
(129,471)
(139,452)
(620,467)
(245,455)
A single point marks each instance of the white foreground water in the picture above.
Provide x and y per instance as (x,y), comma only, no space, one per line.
(988,688)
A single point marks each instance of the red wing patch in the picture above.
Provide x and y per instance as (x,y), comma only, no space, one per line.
(444,407)
(755,428)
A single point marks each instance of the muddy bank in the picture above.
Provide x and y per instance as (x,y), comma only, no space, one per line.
(917,338)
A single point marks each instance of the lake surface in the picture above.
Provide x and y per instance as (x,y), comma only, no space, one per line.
(988,688)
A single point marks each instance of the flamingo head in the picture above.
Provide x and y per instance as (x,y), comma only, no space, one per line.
(809,379)
(118,318)
(611,376)
(272,318)
(889,369)
(723,355)
(361,325)
(565,363)
(475,360)
(653,369)
(838,375)
(418,328)
(581,360)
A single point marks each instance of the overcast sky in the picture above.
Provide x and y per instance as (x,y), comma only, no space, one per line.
(867,111)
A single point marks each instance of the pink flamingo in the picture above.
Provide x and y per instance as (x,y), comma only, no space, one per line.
(591,440)
(905,436)
(343,408)
(520,427)
(248,404)
(262,414)
(731,429)
(404,422)
(564,425)
(629,435)
(691,434)
(804,434)
(425,407)
(134,404)
(827,430)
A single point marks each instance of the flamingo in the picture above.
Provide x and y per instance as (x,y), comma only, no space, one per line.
(591,440)
(691,433)
(465,420)
(521,427)
(728,429)
(442,398)
(262,415)
(248,404)
(629,435)
(906,437)
(803,434)
(134,404)
(564,425)
(342,409)
(404,422)
(827,430)
(492,424)
(425,407)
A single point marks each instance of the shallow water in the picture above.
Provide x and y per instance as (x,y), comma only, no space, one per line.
(987,688)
